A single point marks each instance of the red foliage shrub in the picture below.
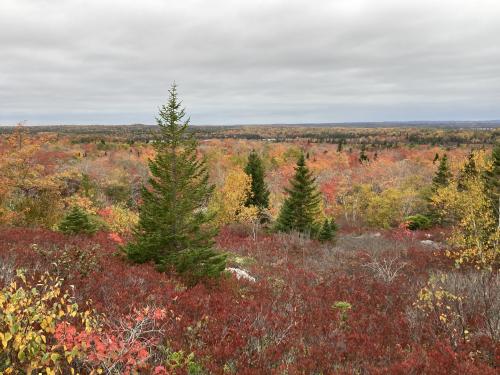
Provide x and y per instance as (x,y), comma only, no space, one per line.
(287,321)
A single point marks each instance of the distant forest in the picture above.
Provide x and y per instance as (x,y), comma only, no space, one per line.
(375,135)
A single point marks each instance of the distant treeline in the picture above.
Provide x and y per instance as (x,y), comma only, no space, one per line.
(385,137)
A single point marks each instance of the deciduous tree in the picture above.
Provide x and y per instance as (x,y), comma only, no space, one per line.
(475,237)
(229,201)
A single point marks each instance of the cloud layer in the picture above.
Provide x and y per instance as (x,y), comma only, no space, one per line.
(259,61)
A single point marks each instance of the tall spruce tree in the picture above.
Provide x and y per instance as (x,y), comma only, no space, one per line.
(259,193)
(172,230)
(301,209)
(443,174)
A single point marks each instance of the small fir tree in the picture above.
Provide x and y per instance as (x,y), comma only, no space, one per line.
(443,174)
(363,158)
(301,208)
(76,221)
(328,231)
(440,180)
(492,182)
(259,193)
(468,171)
(339,145)
(173,229)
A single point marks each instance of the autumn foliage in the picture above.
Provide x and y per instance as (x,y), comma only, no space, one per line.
(383,298)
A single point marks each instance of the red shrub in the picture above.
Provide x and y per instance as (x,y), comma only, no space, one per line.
(285,322)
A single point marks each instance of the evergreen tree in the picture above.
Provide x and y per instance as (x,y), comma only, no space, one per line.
(172,230)
(76,221)
(492,182)
(443,174)
(339,145)
(468,171)
(436,158)
(328,231)
(362,156)
(259,193)
(302,206)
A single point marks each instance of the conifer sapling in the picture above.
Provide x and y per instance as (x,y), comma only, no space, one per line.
(301,209)
(259,193)
(76,221)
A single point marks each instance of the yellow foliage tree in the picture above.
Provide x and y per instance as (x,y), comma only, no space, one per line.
(229,200)
(475,236)
(28,194)
(384,209)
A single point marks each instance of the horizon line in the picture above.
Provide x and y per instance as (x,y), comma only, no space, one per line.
(496,121)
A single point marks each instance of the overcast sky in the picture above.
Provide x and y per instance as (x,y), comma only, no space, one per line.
(249,62)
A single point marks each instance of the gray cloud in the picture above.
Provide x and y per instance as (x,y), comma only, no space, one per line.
(267,61)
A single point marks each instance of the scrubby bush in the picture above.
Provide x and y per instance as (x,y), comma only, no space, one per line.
(70,260)
(119,219)
(31,311)
(37,208)
(118,193)
(455,302)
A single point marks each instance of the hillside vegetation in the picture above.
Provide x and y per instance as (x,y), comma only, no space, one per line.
(370,251)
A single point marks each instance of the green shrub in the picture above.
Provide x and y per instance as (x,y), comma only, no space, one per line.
(418,222)
(77,221)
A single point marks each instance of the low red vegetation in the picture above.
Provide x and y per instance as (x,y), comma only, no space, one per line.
(285,322)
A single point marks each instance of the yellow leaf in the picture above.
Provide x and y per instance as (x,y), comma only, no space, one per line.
(5,337)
